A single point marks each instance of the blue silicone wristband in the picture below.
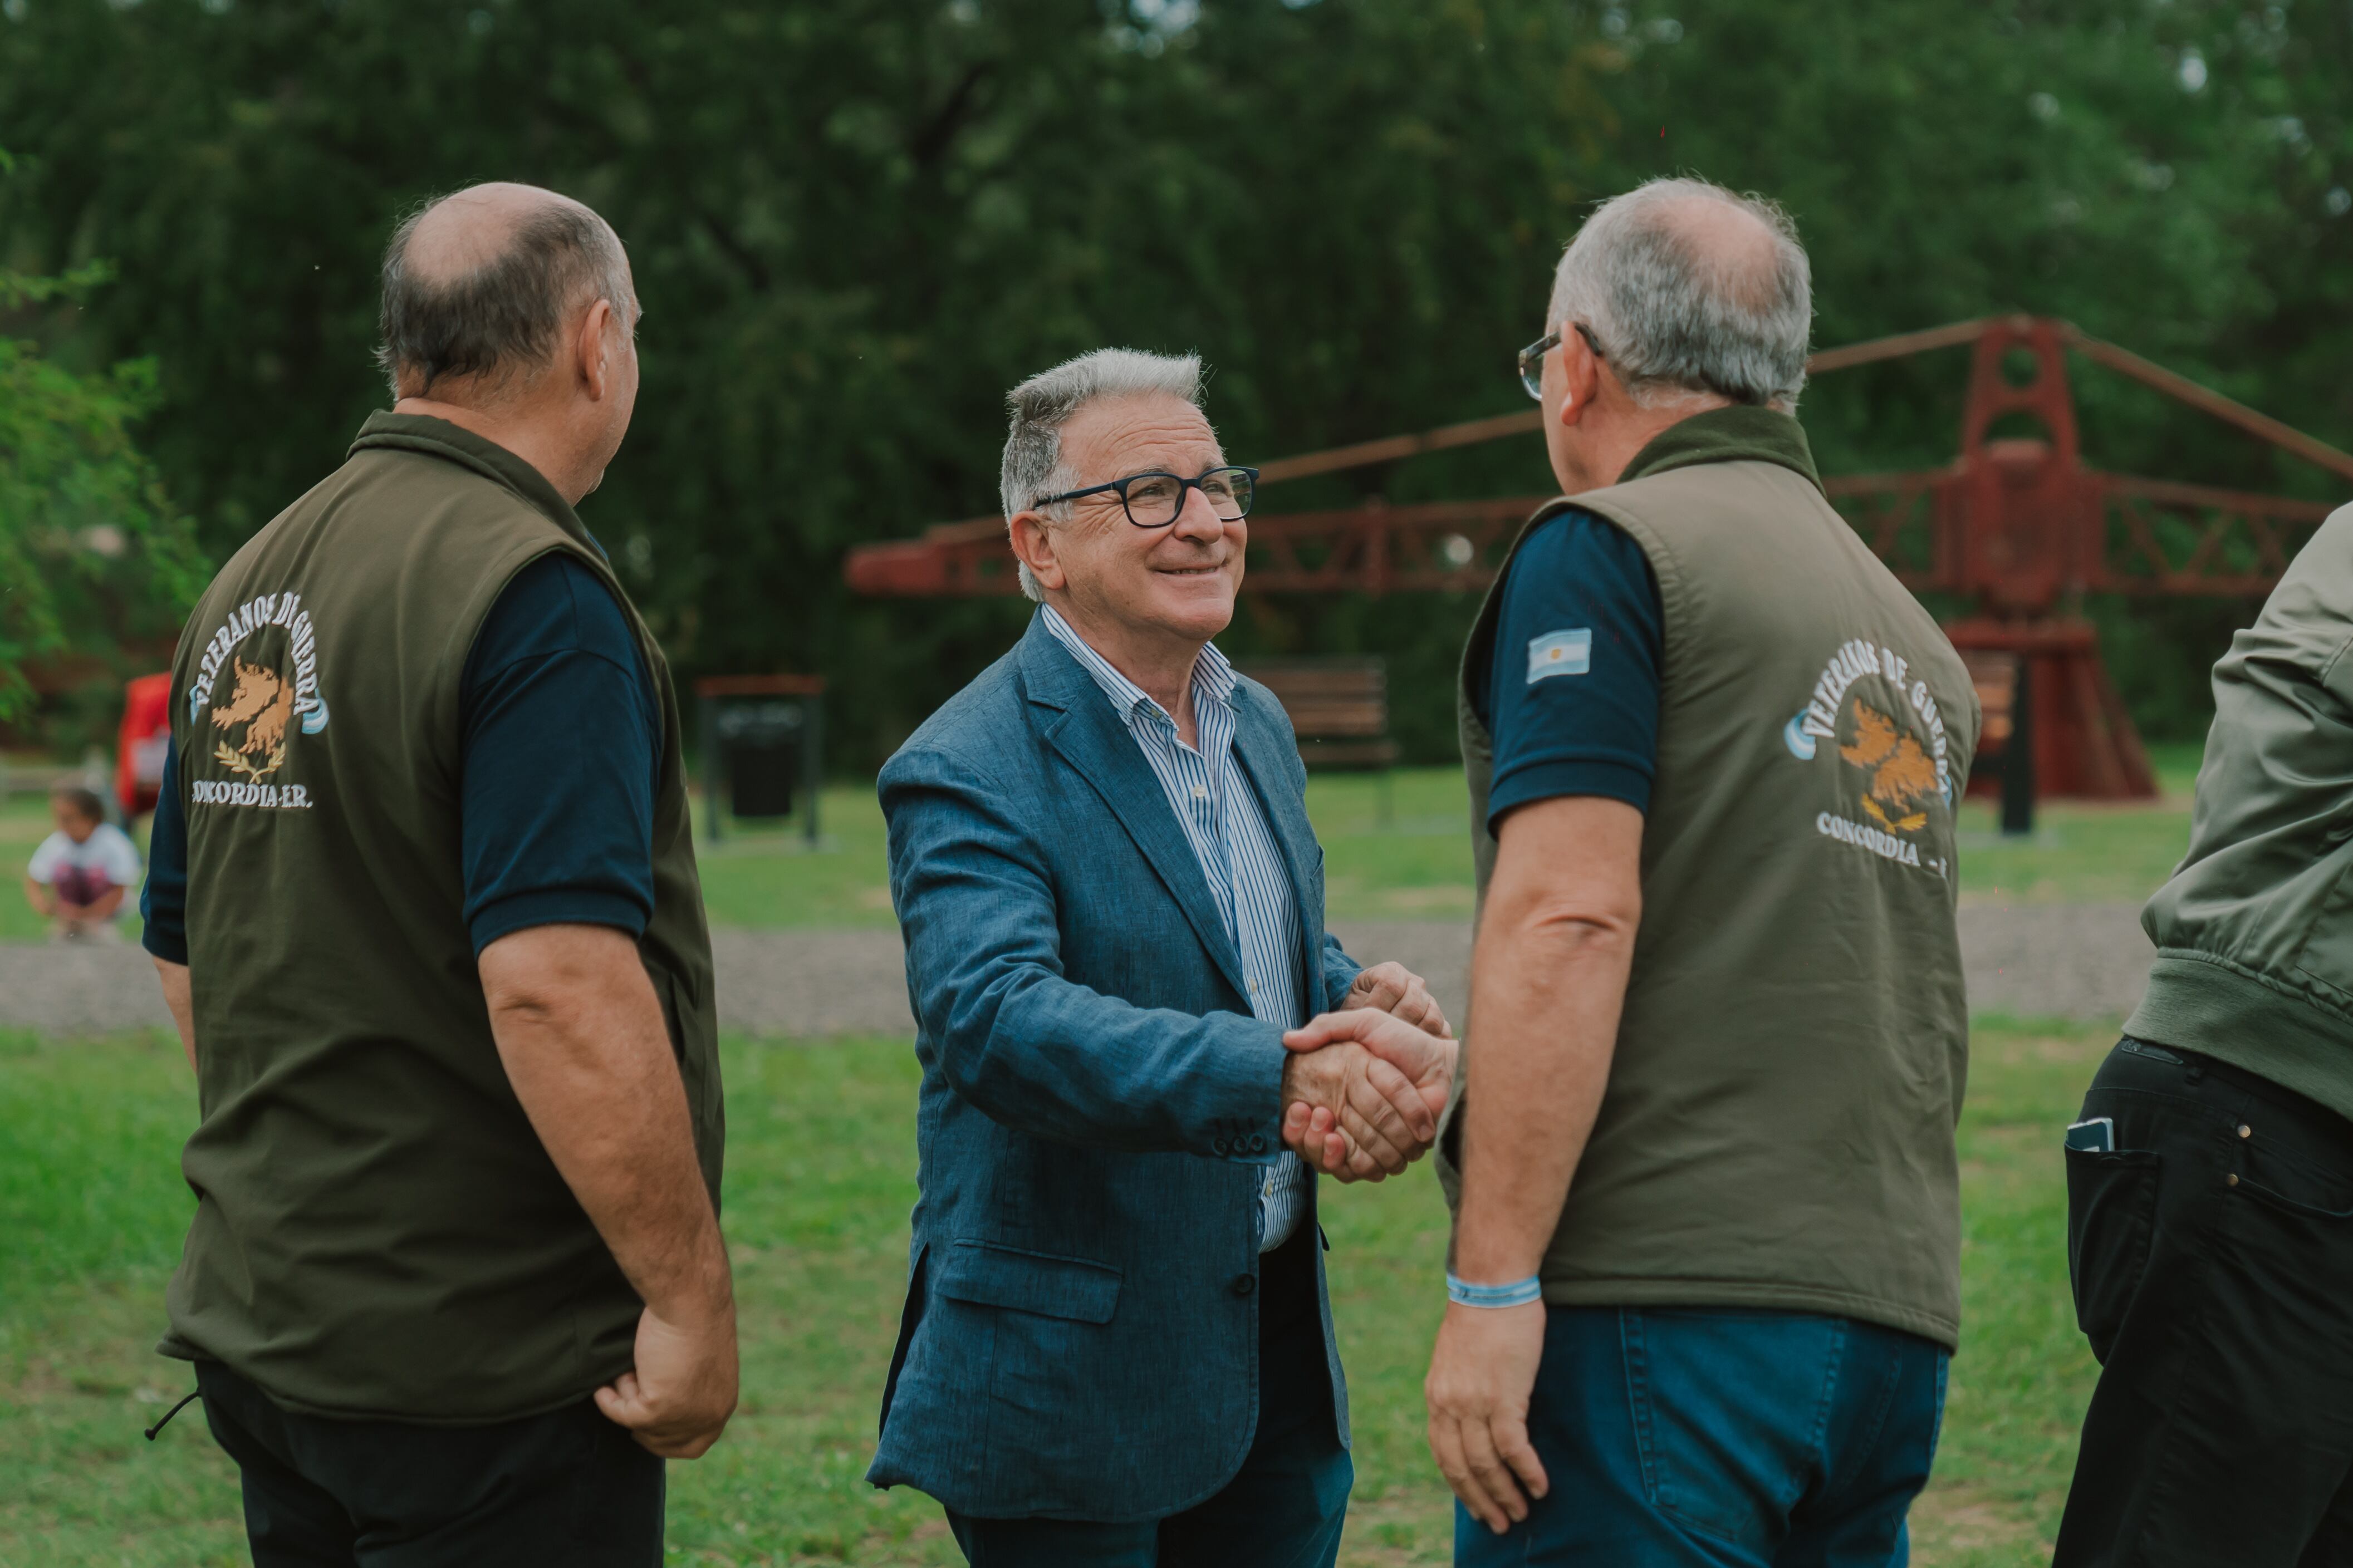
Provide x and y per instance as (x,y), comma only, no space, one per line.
(1519,1293)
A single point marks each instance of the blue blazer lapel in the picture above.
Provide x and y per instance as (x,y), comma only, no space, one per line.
(1091,739)
(1268,755)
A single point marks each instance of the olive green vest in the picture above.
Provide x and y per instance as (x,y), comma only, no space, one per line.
(1777,1127)
(378,1231)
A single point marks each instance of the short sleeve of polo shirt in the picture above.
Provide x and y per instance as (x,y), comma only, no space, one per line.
(1573,690)
(163,900)
(562,738)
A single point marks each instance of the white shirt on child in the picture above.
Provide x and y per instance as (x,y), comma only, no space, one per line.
(105,860)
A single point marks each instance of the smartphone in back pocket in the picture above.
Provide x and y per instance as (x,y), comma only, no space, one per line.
(2097,1135)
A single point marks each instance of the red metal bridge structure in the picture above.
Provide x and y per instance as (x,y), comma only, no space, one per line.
(2018,528)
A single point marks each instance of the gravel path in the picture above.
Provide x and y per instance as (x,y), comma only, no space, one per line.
(2062,960)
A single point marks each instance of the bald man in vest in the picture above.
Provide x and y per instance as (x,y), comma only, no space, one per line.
(1706,1265)
(424,903)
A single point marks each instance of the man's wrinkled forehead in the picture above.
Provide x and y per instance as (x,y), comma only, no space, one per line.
(1114,437)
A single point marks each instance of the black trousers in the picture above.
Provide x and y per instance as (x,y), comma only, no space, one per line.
(2212,1254)
(568,1488)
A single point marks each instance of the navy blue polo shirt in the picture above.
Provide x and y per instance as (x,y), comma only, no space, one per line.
(1570,697)
(556,813)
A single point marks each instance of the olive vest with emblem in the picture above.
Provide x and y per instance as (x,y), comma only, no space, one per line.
(378,1231)
(1778,1127)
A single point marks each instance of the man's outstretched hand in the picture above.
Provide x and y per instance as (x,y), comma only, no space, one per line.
(1372,1107)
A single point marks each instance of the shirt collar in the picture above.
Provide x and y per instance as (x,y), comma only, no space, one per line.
(1742,432)
(456,443)
(1213,673)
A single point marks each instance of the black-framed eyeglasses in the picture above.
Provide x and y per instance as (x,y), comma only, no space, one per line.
(1532,357)
(1152,500)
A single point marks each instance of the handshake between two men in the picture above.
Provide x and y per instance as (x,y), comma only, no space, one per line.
(1366,1083)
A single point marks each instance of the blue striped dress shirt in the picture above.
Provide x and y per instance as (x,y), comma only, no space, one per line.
(1223,821)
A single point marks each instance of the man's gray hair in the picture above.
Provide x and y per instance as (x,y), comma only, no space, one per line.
(1042,404)
(1675,315)
(504,317)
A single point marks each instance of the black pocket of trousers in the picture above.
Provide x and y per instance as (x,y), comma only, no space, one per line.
(2111,1219)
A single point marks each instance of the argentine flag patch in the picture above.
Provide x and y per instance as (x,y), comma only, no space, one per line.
(1560,653)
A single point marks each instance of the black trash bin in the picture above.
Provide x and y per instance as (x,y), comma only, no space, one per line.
(763,741)
(762,748)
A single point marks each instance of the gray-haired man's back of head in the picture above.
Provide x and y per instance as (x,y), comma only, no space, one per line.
(1690,288)
(479,283)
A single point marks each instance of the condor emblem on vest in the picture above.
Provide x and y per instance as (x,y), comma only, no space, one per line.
(1892,746)
(271,697)
(261,705)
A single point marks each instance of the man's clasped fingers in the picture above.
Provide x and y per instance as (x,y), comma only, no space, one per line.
(1383,1103)
(1394,989)
(1424,1059)
(1363,1118)
(1355,1115)
(1312,1133)
(1373,1126)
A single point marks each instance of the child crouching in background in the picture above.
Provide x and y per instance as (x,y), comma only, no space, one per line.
(78,878)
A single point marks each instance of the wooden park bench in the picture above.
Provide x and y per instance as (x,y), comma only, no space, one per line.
(20,778)
(1339,709)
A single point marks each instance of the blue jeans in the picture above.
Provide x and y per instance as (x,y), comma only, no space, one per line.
(1704,1438)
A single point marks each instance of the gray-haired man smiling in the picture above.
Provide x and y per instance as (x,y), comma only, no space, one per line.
(1116,1347)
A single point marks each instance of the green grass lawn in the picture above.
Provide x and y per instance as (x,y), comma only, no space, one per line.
(1408,857)
(1398,849)
(1395,848)
(24,823)
(821,1140)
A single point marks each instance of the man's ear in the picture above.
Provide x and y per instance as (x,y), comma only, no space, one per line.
(1033,546)
(1580,376)
(595,352)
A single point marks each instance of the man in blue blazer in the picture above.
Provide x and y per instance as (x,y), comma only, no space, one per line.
(1117,1347)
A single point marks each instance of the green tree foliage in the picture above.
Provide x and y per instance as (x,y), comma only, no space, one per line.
(855,222)
(2171,176)
(91,558)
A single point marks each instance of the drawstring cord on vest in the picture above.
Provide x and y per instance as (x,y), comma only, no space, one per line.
(193,1394)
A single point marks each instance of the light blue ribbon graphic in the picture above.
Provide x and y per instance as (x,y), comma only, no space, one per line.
(1800,744)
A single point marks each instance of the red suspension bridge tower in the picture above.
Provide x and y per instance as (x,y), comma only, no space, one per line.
(2017,527)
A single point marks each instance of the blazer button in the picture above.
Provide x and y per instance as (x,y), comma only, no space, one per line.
(1258,1143)
(1217,1147)
(1245,1283)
